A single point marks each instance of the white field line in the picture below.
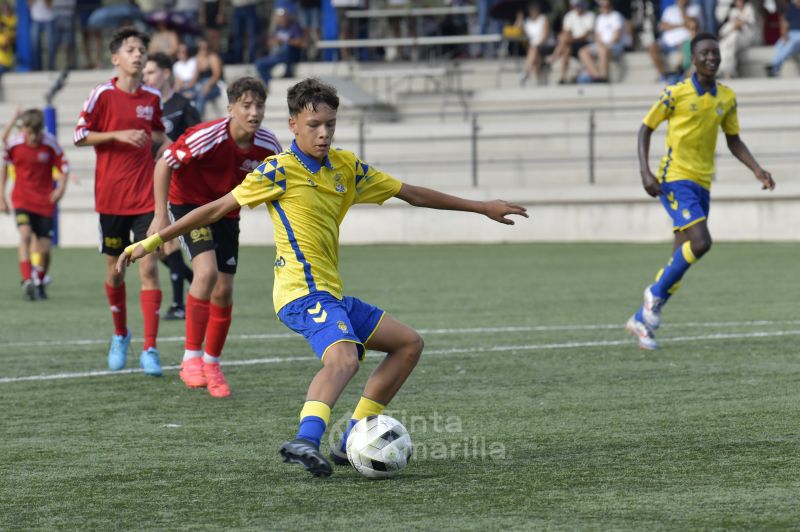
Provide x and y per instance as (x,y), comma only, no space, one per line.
(473,330)
(493,349)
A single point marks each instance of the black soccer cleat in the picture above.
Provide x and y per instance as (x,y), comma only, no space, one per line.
(175,312)
(28,290)
(307,454)
(339,457)
(40,292)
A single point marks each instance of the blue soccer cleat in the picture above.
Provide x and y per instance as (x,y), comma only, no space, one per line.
(150,363)
(118,351)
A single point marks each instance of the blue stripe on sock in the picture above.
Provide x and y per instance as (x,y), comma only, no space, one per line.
(350,426)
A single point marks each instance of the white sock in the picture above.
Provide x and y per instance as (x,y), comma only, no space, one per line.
(189,354)
(208,359)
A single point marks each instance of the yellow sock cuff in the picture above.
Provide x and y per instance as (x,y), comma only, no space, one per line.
(36,259)
(688,255)
(367,407)
(318,409)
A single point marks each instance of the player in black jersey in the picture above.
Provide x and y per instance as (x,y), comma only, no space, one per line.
(178,114)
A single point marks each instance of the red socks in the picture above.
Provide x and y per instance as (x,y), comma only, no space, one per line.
(116,300)
(219,322)
(25,269)
(151,304)
(197,311)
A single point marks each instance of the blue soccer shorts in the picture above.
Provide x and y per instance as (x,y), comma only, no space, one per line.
(686,202)
(324,320)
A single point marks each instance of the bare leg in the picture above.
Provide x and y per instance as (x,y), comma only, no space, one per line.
(403,346)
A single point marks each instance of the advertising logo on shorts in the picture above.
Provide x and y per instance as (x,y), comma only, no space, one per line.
(144,111)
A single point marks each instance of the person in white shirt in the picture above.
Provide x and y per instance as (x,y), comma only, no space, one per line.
(674,27)
(576,32)
(739,32)
(609,42)
(540,40)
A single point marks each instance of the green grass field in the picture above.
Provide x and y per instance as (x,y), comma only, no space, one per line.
(530,409)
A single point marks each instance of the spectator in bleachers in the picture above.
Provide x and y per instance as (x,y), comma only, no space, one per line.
(487,25)
(350,28)
(64,13)
(6,45)
(674,27)
(286,46)
(91,38)
(789,43)
(208,76)
(245,22)
(740,31)
(610,39)
(212,19)
(42,27)
(540,40)
(576,32)
(310,17)
(708,9)
(163,39)
(184,70)
(191,10)
(625,8)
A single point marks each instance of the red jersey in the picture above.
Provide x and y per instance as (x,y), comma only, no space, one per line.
(207,163)
(34,170)
(123,178)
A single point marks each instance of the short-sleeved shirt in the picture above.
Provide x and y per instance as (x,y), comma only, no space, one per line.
(307,201)
(123,178)
(578,24)
(33,166)
(607,25)
(207,163)
(673,15)
(694,117)
(178,115)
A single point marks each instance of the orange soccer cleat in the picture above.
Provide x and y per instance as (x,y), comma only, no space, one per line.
(217,384)
(192,373)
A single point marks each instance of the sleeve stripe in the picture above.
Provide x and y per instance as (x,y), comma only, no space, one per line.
(80,134)
(88,107)
(200,137)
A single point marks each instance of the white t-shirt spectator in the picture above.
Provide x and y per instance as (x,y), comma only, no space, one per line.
(41,11)
(607,25)
(672,15)
(534,31)
(579,25)
(184,70)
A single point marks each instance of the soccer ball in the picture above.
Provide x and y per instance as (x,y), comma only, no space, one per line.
(379,446)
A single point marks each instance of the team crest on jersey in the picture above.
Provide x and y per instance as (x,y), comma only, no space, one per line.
(337,177)
(719,110)
(112,242)
(693,107)
(249,165)
(42,156)
(340,188)
(280,262)
(144,111)
(686,214)
(200,234)
(342,326)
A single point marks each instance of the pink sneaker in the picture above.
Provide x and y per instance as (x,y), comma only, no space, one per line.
(192,373)
(217,384)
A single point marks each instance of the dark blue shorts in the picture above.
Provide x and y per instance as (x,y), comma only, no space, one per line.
(686,202)
(324,320)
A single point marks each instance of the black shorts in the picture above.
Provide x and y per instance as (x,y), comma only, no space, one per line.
(116,229)
(42,226)
(212,10)
(575,46)
(222,236)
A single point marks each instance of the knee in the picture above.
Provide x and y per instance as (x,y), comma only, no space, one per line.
(346,363)
(413,348)
(701,246)
(205,280)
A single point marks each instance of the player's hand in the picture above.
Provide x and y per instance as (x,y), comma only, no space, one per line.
(56,195)
(4,206)
(497,210)
(651,184)
(766,179)
(160,221)
(126,259)
(135,137)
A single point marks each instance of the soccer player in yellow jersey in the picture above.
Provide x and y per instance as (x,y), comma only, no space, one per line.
(694,109)
(308,190)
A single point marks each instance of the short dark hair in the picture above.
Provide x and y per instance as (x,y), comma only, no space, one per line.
(702,37)
(125,33)
(162,60)
(238,88)
(33,119)
(311,92)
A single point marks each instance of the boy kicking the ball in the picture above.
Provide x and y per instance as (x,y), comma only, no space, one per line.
(308,190)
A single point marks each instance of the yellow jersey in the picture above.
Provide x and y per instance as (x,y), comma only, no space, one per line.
(307,201)
(694,116)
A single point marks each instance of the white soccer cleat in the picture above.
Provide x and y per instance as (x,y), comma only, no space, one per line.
(651,310)
(640,330)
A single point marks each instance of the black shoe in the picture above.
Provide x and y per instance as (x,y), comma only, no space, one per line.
(306,454)
(771,73)
(40,293)
(338,456)
(175,312)
(28,290)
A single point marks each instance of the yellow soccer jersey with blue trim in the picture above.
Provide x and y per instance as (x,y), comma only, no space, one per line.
(694,117)
(307,201)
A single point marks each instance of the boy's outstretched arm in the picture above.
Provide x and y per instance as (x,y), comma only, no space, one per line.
(497,210)
(739,149)
(205,215)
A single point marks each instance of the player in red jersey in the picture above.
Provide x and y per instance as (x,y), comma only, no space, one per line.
(121,119)
(33,152)
(207,162)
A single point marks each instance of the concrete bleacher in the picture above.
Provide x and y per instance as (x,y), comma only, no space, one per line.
(533,147)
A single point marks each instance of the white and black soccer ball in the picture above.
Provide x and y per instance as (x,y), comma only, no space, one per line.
(379,446)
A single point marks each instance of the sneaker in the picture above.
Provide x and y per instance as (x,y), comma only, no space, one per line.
(216,383)
(306,454)
(28,289)
(651,310)
(192,373)
(118,351)
(338,456)
(150,363)
(644,333)
(175,312)
(40,292)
